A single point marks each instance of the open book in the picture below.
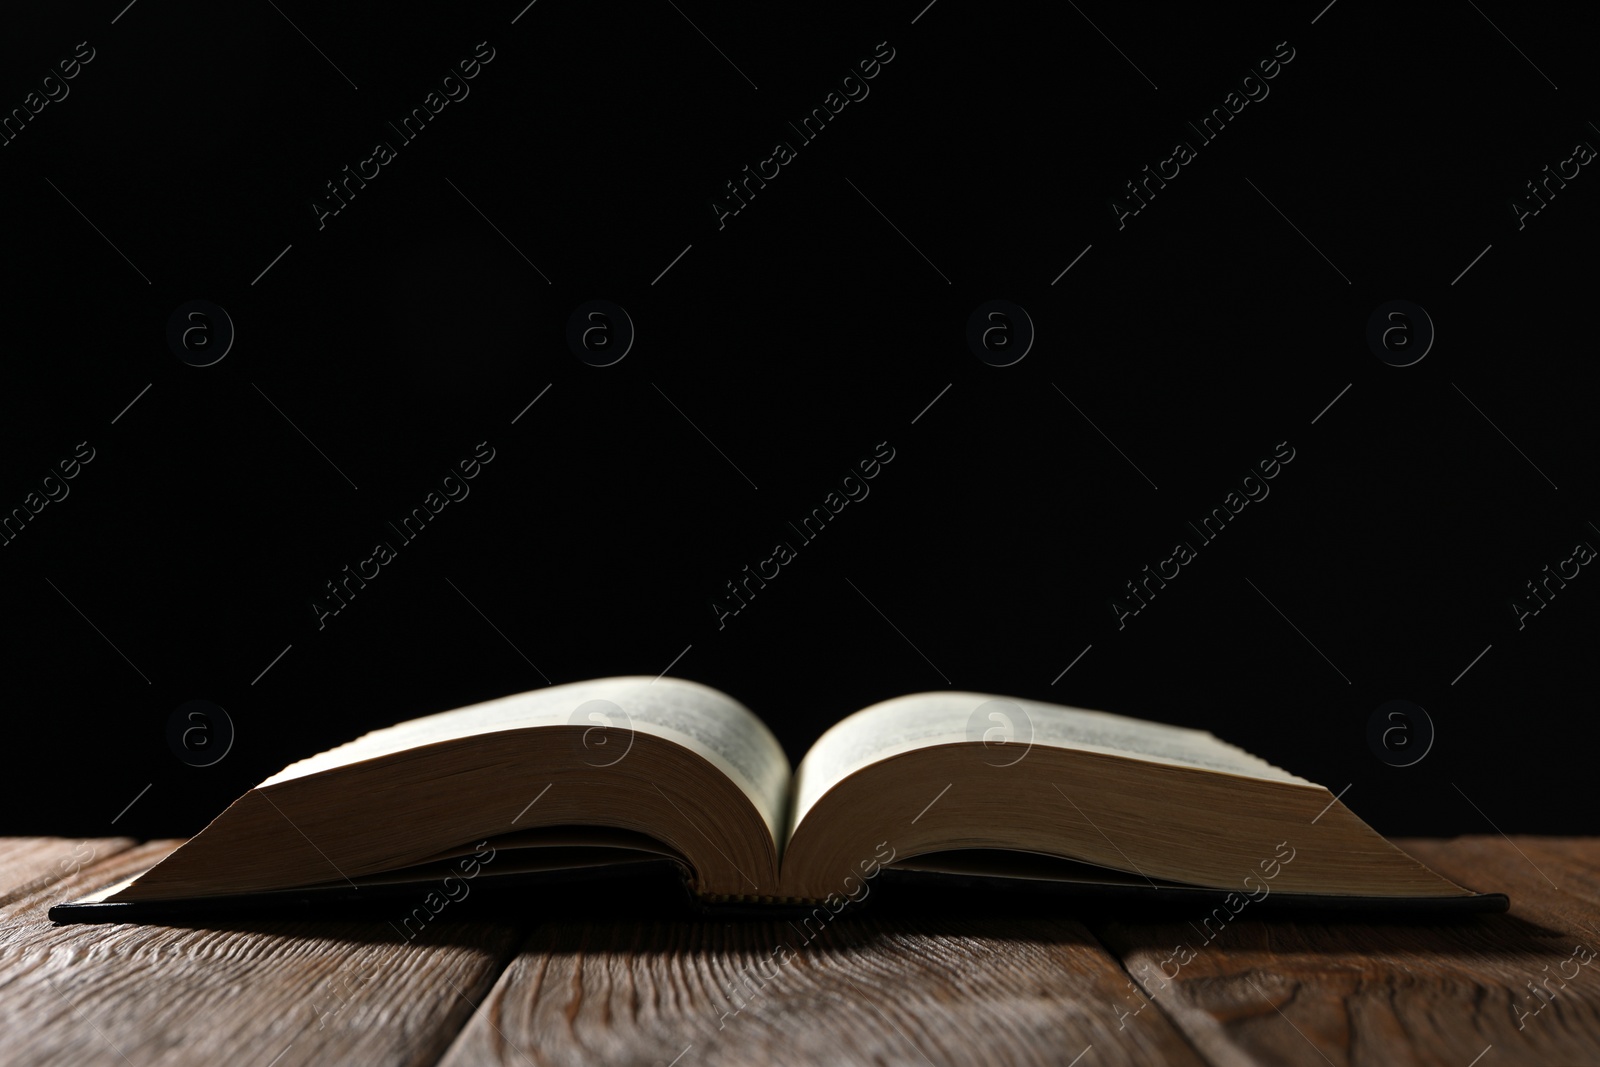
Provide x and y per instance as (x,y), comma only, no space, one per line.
(610,771)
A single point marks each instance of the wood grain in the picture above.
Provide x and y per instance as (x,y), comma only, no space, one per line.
(966,983)
(28,864)
(967,990)
(307,992)
(1559,896)
(1563,873)
(1354,992)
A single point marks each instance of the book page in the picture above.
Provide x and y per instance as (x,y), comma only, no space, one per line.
(1007,726)
(704,720)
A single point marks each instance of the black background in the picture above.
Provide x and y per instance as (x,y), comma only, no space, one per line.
(796,338)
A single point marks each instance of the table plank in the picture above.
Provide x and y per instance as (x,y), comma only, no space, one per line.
(955,990)
(305,991)
(949,985)
(1560,893)
(1341,992)
(28,864)
(1567,867)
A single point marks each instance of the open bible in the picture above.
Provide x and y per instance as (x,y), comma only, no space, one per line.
(614,771)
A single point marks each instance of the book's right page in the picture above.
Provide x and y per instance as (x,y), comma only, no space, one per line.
(934,774)
(1008,727)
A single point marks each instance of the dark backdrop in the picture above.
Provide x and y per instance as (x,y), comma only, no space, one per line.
(1186,344)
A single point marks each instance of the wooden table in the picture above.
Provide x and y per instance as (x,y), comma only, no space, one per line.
(606,984)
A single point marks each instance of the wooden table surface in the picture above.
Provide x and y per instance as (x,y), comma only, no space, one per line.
(599,984)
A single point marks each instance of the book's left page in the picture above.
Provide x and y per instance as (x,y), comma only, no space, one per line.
(681,763)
